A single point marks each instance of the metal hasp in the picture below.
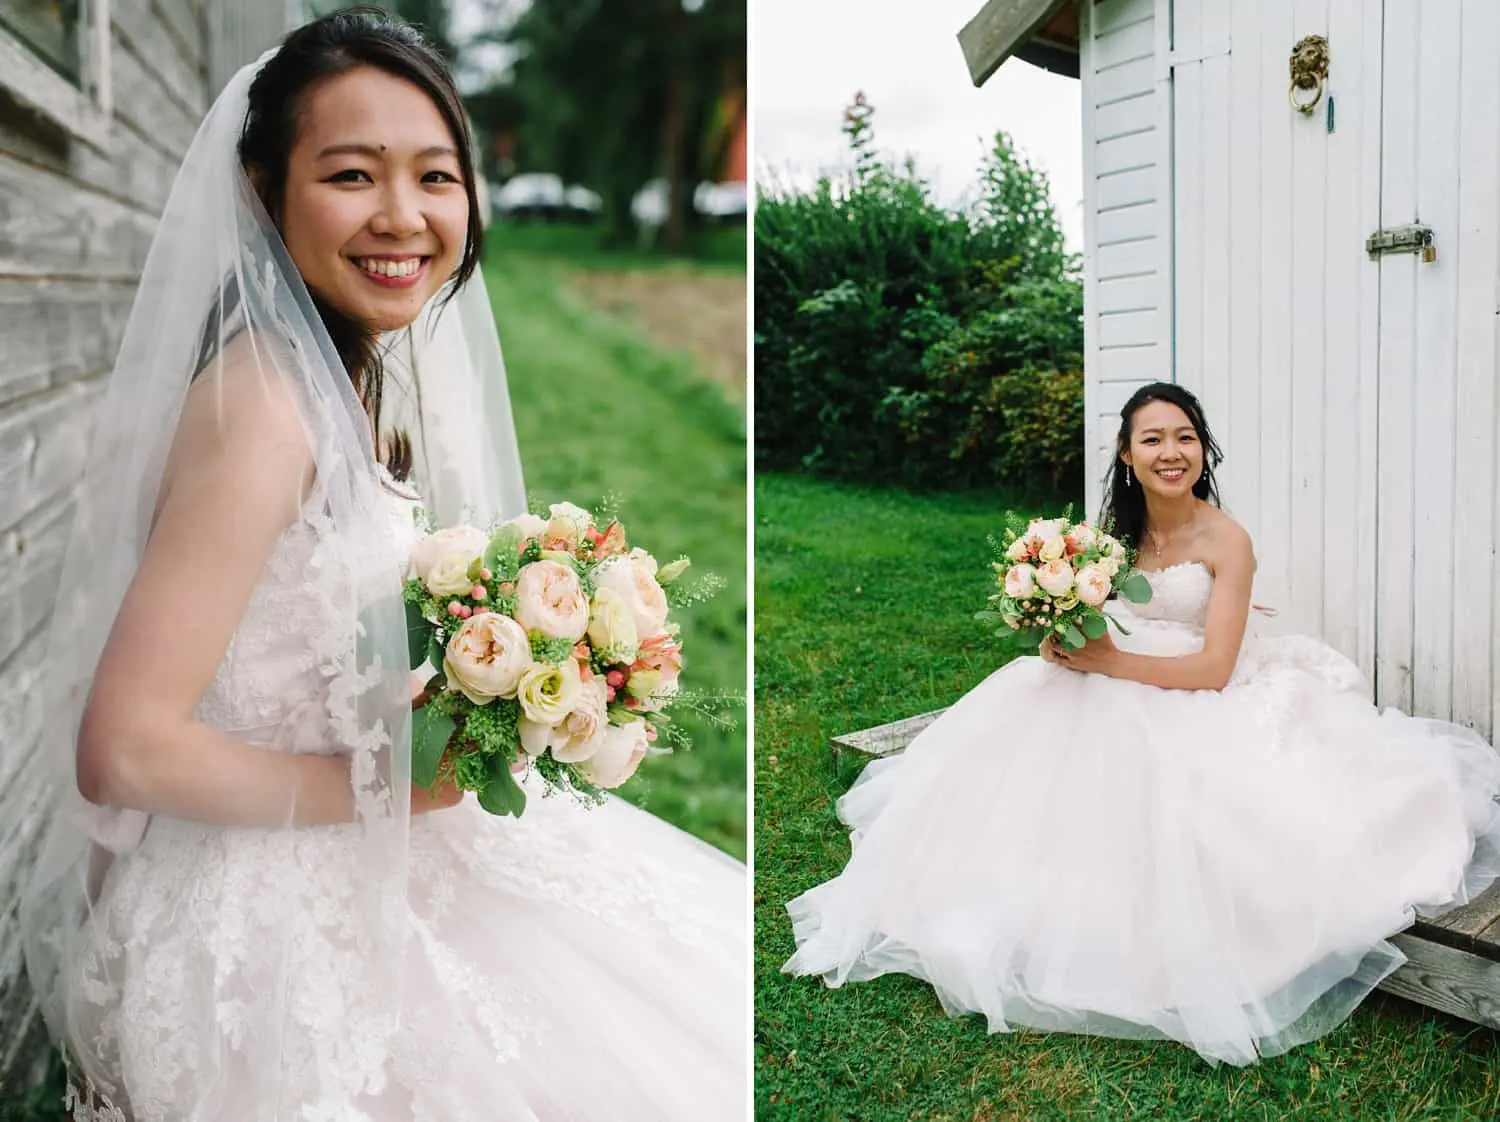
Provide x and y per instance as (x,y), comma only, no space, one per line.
(1415,238)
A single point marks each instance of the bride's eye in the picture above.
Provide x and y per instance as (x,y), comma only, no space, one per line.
(442,177)
(349,175)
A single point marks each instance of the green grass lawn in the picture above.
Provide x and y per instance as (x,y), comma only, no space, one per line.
(600,411)
(864,603)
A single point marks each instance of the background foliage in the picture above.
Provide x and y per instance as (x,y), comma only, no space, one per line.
(899,340)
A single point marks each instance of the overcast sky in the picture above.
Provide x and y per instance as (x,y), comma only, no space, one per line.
(809,57)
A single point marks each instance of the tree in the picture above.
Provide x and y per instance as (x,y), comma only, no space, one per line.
(614,94)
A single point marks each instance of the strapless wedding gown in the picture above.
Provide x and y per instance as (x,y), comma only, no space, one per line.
(574,963)
(1073,852)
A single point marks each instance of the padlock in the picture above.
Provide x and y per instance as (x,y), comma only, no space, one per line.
(1429,253)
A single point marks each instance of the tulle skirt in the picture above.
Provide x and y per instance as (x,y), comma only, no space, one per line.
(1072,852)
(573,964)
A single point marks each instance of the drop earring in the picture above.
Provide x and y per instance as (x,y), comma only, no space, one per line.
(1127,475)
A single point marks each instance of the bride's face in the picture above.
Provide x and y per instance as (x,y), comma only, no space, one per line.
(1164,449)
(375,215)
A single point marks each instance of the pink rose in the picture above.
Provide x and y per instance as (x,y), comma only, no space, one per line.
(1093,585)
(550,600)
(637,587)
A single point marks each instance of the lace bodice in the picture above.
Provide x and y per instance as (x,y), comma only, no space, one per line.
(297,620)
(1179,594)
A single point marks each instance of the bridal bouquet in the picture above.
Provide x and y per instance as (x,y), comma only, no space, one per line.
(552,645)
(1054,578)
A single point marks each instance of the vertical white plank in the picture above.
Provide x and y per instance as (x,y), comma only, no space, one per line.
(1477,241)
(1277,257)
(1166,139)
(1401,112)
(1367,201)
(1215,141)
(1093,463)
(1241,475)
(1188,193)
(1438,78)
(1307,446)
(1351,210)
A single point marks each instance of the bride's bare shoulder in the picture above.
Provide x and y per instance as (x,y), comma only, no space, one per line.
(1228,543)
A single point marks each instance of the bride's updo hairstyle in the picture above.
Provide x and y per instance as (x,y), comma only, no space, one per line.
(1124,511)
(327,47)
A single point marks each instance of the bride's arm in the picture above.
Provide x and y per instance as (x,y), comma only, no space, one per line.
(1223,631)
(236,477)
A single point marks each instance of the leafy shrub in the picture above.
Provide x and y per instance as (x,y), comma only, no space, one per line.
(899,340)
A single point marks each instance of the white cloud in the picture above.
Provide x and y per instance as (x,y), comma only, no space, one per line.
(809,57)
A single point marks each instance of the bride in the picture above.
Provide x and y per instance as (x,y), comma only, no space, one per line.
(243,909)
(1191,832)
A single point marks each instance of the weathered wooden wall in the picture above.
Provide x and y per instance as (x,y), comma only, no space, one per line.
(75,224)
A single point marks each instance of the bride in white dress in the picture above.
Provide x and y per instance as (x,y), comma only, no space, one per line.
(243,909)
(1191,832)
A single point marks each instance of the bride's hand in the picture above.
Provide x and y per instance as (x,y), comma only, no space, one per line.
(440,796)
(1097,656)
(419,694)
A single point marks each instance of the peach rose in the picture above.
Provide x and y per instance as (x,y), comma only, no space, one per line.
(1093,585)
(620,752)
(550,600)
(486,657)
(1055,577)
(637,587)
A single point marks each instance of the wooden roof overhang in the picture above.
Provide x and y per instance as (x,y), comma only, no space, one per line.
(1042,32)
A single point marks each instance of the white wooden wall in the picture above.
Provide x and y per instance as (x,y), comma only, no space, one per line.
(1127,215)
(1356,400)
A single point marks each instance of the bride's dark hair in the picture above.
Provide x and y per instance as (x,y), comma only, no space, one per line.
(1124,511)
(322,49)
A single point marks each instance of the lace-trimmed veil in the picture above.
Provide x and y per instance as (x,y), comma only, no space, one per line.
(217,260)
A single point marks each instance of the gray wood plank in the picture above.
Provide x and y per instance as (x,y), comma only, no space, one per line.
(188,27)
(1470,922)
(50,226)
(144,28)
(134,173)
(57,332)
(884,740)
(142,99)
(1449,979)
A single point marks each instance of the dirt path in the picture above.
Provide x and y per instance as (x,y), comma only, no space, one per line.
(701,313)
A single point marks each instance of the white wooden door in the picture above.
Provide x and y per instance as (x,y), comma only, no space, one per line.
(1355,397)
(1436,505)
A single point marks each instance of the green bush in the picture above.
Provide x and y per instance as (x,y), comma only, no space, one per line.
(898,340)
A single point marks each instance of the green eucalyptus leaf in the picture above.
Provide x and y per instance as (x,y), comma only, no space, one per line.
(502,794)
(1073,637)
(1136,588)
(418,634)
(430,731)
(1095,626)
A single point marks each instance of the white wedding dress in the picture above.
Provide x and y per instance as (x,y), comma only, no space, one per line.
(1074,852)
(579,964)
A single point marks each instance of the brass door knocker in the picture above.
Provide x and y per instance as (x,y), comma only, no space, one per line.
(1309,71)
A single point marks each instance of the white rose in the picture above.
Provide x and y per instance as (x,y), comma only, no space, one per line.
(1084,536)
(486,657)
(1017,550)
(643,559)
(1093,585)
(578,735)
(441,560)
(1020,582)
(1044,529)
(548,692)
(612,628)
(530,525)
(1055,577)
(568,522)
(1053,548)
(1110,565)
(620,752)
(550,600)
(640,592)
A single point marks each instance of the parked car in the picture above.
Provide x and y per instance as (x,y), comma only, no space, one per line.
(530,195)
